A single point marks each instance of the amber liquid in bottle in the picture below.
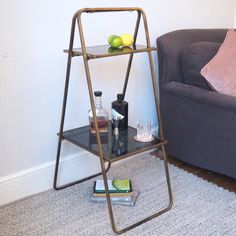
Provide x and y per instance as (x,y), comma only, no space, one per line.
(101,113)
(102,125)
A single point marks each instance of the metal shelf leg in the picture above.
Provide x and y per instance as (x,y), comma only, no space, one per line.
(56,187)
(110,210)
(60,139)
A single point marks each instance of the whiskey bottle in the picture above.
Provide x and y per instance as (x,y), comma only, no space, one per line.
(101,114)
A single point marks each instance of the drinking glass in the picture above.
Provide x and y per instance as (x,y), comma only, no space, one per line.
(144,131)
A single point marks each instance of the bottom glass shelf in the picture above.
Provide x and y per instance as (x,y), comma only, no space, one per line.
(113,148)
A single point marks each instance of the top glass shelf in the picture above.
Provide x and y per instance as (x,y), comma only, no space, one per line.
(107,51)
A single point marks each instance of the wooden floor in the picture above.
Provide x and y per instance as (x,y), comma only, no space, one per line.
(220,180)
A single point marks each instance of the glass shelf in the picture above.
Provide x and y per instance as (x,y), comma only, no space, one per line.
(113,149)
(107,51)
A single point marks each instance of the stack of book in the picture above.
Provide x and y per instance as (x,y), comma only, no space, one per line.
(120,191)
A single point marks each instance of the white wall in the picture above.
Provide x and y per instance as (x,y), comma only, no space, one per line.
(32,69)
(235,15)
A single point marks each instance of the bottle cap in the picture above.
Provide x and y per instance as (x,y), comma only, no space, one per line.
(120,97)
(98,93)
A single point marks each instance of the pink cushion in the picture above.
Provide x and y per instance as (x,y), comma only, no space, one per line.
(220,71)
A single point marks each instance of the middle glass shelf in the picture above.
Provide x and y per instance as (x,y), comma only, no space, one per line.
(114,148)
(95,52)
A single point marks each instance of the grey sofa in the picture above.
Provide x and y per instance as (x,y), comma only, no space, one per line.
(200,124)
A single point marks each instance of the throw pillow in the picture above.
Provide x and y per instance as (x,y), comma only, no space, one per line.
(220,72)
(193,58)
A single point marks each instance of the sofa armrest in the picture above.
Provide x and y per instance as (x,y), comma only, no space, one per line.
(171,44)
(202,96)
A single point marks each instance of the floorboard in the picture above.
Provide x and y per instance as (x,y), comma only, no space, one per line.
(218,179)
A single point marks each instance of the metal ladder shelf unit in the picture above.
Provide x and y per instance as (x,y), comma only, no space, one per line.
(79,136)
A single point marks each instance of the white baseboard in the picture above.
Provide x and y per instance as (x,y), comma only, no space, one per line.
(40,178)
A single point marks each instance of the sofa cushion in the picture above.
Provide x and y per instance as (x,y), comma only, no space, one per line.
(220,72)
(193,58)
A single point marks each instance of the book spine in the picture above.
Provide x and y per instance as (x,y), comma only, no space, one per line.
(113,199)
(113,194)
(113,191)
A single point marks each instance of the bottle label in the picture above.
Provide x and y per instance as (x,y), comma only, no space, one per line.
(91,112)
(116,115)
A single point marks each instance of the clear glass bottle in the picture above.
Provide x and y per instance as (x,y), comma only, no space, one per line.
(101,113)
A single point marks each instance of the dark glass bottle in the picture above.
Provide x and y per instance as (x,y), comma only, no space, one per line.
(121,107)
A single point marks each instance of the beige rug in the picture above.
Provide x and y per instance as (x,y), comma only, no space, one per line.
(200,208)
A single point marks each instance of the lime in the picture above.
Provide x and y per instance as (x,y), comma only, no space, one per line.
(127,39)
(121,184)
(110,38)
(115,42)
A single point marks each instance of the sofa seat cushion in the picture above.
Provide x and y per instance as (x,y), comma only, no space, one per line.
(193,58)
(220,72)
